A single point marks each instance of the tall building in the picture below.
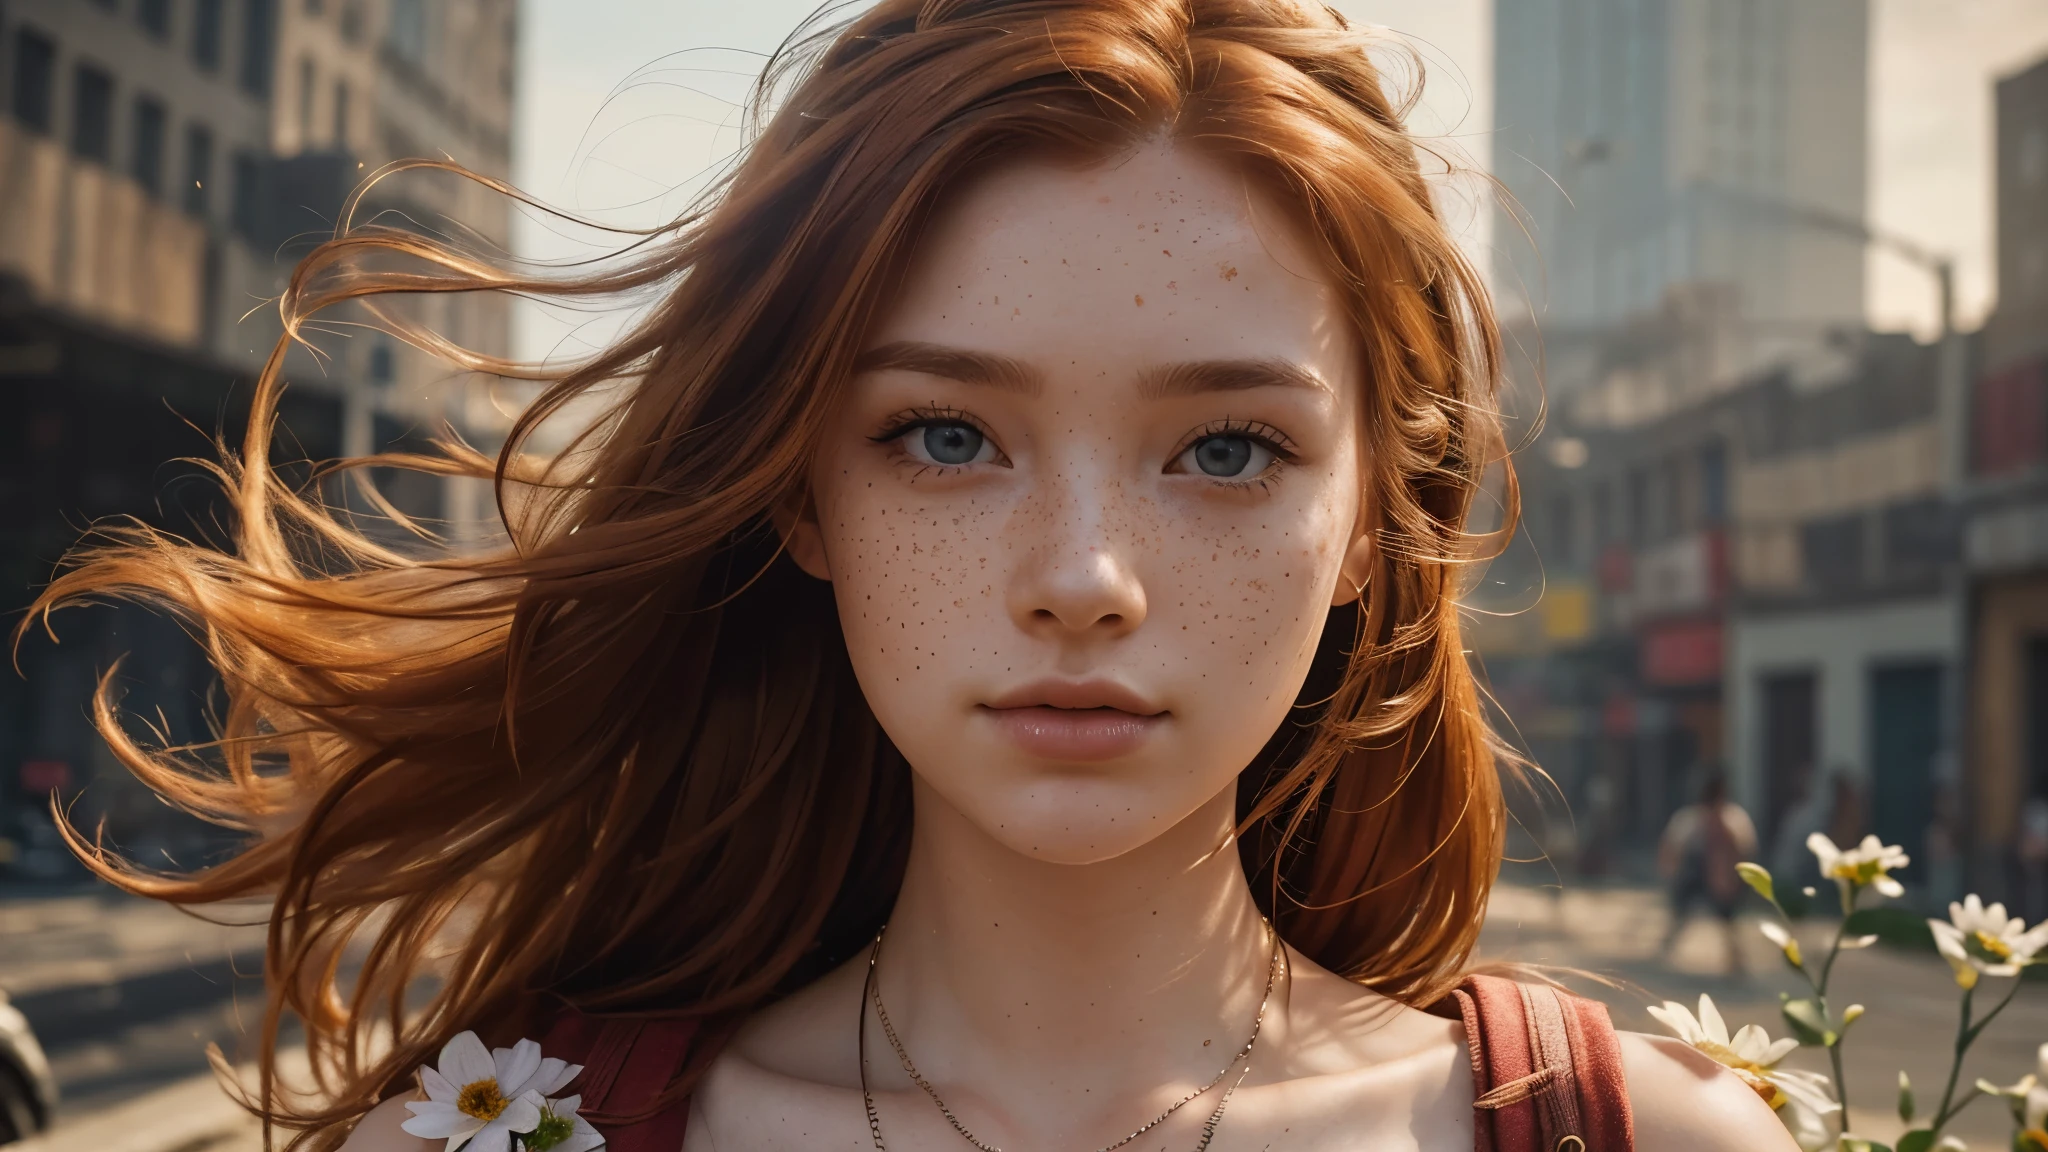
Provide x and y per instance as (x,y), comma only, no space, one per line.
(1661,147)
(162,164)
(2007,536)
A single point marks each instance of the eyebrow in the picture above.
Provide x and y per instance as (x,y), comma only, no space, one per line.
(962,364)
(1189,378)
(1198,376)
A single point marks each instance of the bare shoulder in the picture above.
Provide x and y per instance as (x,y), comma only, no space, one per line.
(379,1130)
(1685,1102)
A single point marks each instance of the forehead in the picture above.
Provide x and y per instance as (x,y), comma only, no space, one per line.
(1161,255)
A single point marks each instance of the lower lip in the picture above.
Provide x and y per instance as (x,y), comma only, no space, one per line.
(1075,733)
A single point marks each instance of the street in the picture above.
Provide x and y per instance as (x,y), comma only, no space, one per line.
(126,994)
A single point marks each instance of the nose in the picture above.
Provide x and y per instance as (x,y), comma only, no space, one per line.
(1076,580)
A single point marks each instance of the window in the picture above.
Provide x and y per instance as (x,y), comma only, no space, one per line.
(408,30)
(306,80)
(35,80)
(92,114)
(155,17)
(341,95)
(1714,484)
(259,33)
(146,159)
(198,168)
(246,206)
(207,19)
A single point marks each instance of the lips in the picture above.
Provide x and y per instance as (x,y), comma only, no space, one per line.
(1075,720)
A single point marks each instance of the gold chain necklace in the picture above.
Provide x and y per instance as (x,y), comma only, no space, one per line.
(871,991)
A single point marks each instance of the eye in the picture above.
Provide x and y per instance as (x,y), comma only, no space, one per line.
(941,440)
(951,444)
(1227,456)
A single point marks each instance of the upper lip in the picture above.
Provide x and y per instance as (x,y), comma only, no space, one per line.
(1076,694)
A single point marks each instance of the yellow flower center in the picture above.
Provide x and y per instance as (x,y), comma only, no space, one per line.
(481,1099)
(1992,946)
(1859,874)
(1771,1093)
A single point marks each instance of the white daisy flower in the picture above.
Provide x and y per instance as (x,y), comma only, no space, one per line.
(1801,1099)
(478,1100)
(1868,865)
(2036,1116)
(562,1130)
(1979,941)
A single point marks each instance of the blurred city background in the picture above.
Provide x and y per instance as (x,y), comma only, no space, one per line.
(1775,282)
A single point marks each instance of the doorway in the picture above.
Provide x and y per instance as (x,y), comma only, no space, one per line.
(1791,742)
(1905,737)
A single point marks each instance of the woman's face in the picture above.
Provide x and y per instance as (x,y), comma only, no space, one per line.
(1088,502)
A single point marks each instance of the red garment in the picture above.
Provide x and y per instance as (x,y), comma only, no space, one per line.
(1545,1068)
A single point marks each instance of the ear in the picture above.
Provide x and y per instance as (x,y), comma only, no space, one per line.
(797,519)
(1356,573)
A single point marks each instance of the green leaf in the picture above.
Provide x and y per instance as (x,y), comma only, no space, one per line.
(1905,1099)
(1758,877)
(1918,1140)
(1808,1023)
(1894,926)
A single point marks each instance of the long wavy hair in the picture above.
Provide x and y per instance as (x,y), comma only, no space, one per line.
(620,762)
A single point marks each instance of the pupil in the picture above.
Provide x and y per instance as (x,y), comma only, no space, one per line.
(1223,455)
(952,443)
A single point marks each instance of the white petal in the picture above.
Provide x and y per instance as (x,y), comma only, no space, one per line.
(567,1105)
(1751,1043)
(492,1137)
(522,1114)
(1807,1127)
(1871,846)
(1774,932)
(1889,887)
(1823,849)
(515,1066)
(464,1060)
(1859,941)
(1711,1024)
(437,1085)
(553,1075)
(1951,1144)
(1676,1017)
(436,1121)
(1810,1089)
(1778,1050)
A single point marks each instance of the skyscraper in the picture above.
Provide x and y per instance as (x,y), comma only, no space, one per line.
(1689,145)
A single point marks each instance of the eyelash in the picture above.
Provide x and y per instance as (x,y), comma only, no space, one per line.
(911,419)
(1265,435)
(1259,432)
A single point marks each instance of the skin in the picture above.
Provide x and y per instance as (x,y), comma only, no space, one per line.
(1076,946)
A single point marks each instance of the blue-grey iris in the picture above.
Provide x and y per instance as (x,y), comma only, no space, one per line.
(952,443)
(1223,455)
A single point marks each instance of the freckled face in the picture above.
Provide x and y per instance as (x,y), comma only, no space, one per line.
(1086,505)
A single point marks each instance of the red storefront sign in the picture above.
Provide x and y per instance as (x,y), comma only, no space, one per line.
(1682,653)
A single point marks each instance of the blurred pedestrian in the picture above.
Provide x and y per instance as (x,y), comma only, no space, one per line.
(1697,856)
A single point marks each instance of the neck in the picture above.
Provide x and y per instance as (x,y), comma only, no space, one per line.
(1110,983)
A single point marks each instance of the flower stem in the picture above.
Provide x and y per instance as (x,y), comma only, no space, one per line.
(1955,1069)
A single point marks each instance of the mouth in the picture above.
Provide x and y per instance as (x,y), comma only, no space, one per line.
(1076,720)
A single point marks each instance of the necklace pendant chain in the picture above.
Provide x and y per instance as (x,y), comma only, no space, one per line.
(872,993)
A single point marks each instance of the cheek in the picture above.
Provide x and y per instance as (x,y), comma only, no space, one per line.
(915,580)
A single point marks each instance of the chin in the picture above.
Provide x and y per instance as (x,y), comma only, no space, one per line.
(1077,819)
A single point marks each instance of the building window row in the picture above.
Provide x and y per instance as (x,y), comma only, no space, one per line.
(91,135)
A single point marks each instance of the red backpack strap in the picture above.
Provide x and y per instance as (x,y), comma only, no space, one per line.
(628,1063)
(1546,1069)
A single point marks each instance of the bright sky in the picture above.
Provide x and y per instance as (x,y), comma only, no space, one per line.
(626,104)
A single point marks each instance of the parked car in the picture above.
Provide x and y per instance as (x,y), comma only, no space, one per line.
(28,1094)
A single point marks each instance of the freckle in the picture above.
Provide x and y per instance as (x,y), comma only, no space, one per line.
(1166,251)
(1140,300)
